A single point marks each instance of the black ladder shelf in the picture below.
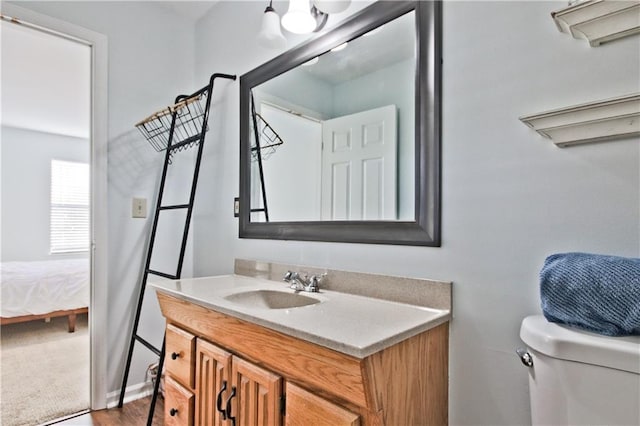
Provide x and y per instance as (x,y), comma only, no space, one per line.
(172,129)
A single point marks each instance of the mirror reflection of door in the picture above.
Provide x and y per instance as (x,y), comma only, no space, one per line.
(338,169)
(369,177)
(359,166)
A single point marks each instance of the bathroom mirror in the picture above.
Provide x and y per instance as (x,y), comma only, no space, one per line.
(340,136)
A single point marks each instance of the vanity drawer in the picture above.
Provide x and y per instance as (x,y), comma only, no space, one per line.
(180,355)
(178,404)
(305,408)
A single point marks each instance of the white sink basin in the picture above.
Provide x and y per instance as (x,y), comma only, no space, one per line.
(271,299)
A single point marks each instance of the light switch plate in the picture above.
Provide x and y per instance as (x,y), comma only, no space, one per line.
(139,207)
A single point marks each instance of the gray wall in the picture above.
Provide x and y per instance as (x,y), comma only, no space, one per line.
(510,197)
(26,190)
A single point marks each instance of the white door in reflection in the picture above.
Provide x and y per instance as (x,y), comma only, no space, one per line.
(359,166)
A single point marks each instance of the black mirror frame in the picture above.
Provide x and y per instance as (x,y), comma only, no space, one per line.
(425,230)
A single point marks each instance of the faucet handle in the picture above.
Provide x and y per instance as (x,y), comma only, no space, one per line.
(288,276)
(314,281)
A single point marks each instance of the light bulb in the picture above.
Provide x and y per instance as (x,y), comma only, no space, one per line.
(270,35)
(332,6)
(298,18)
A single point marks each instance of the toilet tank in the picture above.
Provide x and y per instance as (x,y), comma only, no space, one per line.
(580,378)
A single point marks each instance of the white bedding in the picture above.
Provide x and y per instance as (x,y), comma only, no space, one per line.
(35,288)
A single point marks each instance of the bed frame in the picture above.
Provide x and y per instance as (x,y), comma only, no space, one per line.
(71,315)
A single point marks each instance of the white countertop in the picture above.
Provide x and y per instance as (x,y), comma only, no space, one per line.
(355,325)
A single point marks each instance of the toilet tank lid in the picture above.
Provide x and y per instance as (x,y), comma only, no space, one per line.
(564,342)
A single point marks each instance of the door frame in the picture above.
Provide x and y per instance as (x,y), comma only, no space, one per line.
(99,136)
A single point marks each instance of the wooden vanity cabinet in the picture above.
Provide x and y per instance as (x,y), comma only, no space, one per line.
(255,395)
(258,395)
(213,369)
(178,405)
(179,381)
(305,408)
(229,384)
(180,349)
(281,380)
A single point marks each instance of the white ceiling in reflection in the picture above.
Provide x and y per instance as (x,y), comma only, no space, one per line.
(387,45)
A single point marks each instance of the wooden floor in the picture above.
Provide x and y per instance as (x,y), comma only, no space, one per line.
(131,414)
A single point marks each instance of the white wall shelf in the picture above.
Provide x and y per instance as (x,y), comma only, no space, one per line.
(591,122)
(599,21)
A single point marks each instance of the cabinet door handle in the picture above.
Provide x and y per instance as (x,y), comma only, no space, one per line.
(229,416)
(222,412)
(173,412)
(175,355)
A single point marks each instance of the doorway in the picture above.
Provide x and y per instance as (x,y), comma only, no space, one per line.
(61,239)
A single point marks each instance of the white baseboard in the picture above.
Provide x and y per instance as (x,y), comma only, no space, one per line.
(131,393)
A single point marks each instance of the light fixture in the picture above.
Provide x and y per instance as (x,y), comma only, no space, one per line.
(298,19)
(303,18)
(270,35)
(332,6)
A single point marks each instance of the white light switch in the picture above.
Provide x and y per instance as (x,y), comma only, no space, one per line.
(139,207)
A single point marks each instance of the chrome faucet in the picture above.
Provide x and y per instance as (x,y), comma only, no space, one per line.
(303,282)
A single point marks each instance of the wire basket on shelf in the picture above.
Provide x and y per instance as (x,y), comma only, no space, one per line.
(269,139)
(187,130)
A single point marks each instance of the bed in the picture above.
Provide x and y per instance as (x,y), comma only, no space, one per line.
(44,289)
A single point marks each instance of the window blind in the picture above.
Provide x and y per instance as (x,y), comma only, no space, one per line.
(69,206)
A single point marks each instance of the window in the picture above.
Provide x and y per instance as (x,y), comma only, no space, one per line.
(69,206)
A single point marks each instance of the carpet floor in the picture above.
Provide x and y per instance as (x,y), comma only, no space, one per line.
(44,371)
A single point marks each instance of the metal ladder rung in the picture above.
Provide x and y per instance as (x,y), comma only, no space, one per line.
(162,274)
(175,207)
(148,345)
(187,141)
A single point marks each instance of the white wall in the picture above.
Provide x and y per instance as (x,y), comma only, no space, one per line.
(510,197)
(26,190)
(292,173)
(151,61)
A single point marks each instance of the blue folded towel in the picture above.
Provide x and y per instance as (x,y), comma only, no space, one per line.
(594,292)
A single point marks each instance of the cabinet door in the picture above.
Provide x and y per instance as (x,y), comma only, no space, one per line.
(213,366)
(180,349)
(304,408)
(178,404)
(258,393)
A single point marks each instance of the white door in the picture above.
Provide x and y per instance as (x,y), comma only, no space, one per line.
(359,179)
(26,18)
